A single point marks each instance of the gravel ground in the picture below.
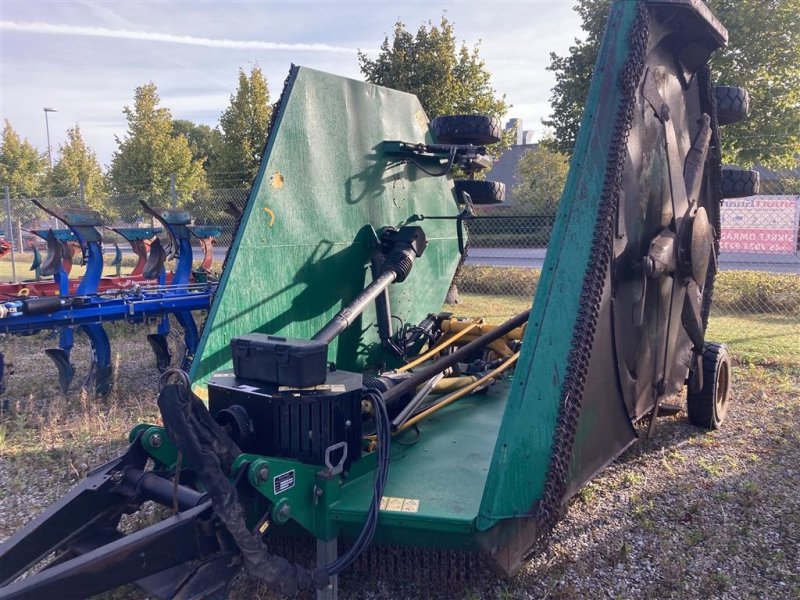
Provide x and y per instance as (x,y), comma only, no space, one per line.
(685,514)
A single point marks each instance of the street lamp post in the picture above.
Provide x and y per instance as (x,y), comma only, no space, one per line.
(47,125)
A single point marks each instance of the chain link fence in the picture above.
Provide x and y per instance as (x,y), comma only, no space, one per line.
(757,289)
(23,224)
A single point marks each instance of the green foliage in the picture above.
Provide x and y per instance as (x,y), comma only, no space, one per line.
(539,179)
(757,292)
(763,56)
(203,141)
(22,167)
(78,163)
(573,74)
(149,153)
(244,127)
(448,79)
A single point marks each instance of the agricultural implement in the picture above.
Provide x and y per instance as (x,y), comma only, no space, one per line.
(63,245)
(146,294)
(330,399)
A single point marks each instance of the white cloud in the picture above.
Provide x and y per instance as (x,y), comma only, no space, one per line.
(147,36)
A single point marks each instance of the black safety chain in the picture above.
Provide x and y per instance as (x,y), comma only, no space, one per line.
(549,507)
(713,192)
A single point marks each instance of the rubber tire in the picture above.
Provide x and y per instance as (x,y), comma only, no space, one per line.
(707,408)
(739,183)
(733,104)
(481,192)
(478,130)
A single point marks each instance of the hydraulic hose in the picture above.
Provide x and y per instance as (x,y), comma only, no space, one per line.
(449,399)
(411,383)
(435,350)
(210,452)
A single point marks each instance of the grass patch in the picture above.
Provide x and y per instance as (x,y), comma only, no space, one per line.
(762,339)
(494,309)
(500,281)
(24,260)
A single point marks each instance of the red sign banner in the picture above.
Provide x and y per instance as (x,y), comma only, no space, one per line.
(760,224)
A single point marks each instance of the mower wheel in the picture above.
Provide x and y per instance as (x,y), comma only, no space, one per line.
(480,192)
(739,183)
(733,104)
(478,130)
(707,408)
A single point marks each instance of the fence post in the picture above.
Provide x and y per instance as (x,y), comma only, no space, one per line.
(82,193)
(172,192)
(11,233)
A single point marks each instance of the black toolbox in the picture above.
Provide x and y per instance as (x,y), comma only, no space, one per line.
(279,360)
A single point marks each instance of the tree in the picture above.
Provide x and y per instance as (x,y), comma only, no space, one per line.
(244,127)
(23,170)
(22,167)
(447,78)
(763,56)
(539,179)
(78,164)
(149,153)
(203,141)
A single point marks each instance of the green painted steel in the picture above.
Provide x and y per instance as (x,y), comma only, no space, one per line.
(304,494)
(302,250)
(157,443)
(444,472)
(521,456)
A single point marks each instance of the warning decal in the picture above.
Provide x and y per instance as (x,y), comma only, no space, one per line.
(399,504)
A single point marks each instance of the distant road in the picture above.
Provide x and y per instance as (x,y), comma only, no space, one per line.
(534,258)
(731,261)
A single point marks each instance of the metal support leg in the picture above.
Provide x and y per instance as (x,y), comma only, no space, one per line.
(327,552)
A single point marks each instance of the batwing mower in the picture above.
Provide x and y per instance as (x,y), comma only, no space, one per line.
(331,399)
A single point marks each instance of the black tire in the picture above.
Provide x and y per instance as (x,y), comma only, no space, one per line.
(733,104)
(480,192)
(739,183)
(478,130)
(707,408)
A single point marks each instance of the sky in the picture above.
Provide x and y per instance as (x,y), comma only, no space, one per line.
(85,58)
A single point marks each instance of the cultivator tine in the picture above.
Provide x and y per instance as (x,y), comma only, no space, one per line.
(234,210)
(54,257)
(172,242)
(155,261)
(101,358)
(190,337)
(140,249)
(117,262)
(66,370)
(36,265)
(68,254)
(158,342)
(207,245)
